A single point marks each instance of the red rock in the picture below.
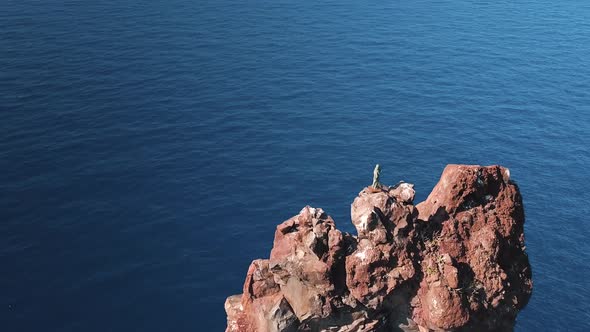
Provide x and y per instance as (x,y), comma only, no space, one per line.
(261,307)
(443,308)
(454,262)
(306,249)
(403,192)
(381,262)
(451,276)
(480,215)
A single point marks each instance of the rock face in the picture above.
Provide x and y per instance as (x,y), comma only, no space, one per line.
(455,262)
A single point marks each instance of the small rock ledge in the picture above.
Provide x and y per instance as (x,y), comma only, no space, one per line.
(455,262)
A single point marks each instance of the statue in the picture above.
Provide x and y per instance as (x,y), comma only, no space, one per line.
(376,173)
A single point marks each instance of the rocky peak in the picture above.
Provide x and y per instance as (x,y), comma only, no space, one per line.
(453,262)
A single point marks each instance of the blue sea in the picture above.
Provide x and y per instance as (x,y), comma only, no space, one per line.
(148,149)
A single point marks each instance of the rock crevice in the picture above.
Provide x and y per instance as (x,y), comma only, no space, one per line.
(455,262)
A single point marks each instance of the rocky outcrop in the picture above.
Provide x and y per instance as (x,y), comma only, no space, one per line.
(455,262)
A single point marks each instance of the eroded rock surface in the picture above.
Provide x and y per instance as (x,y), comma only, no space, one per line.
(455,262)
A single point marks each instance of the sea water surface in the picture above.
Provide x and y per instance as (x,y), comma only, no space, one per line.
(149,148)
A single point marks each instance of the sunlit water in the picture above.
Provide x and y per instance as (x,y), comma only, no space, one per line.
(148,149)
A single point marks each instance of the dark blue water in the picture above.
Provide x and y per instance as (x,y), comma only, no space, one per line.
(148,149)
